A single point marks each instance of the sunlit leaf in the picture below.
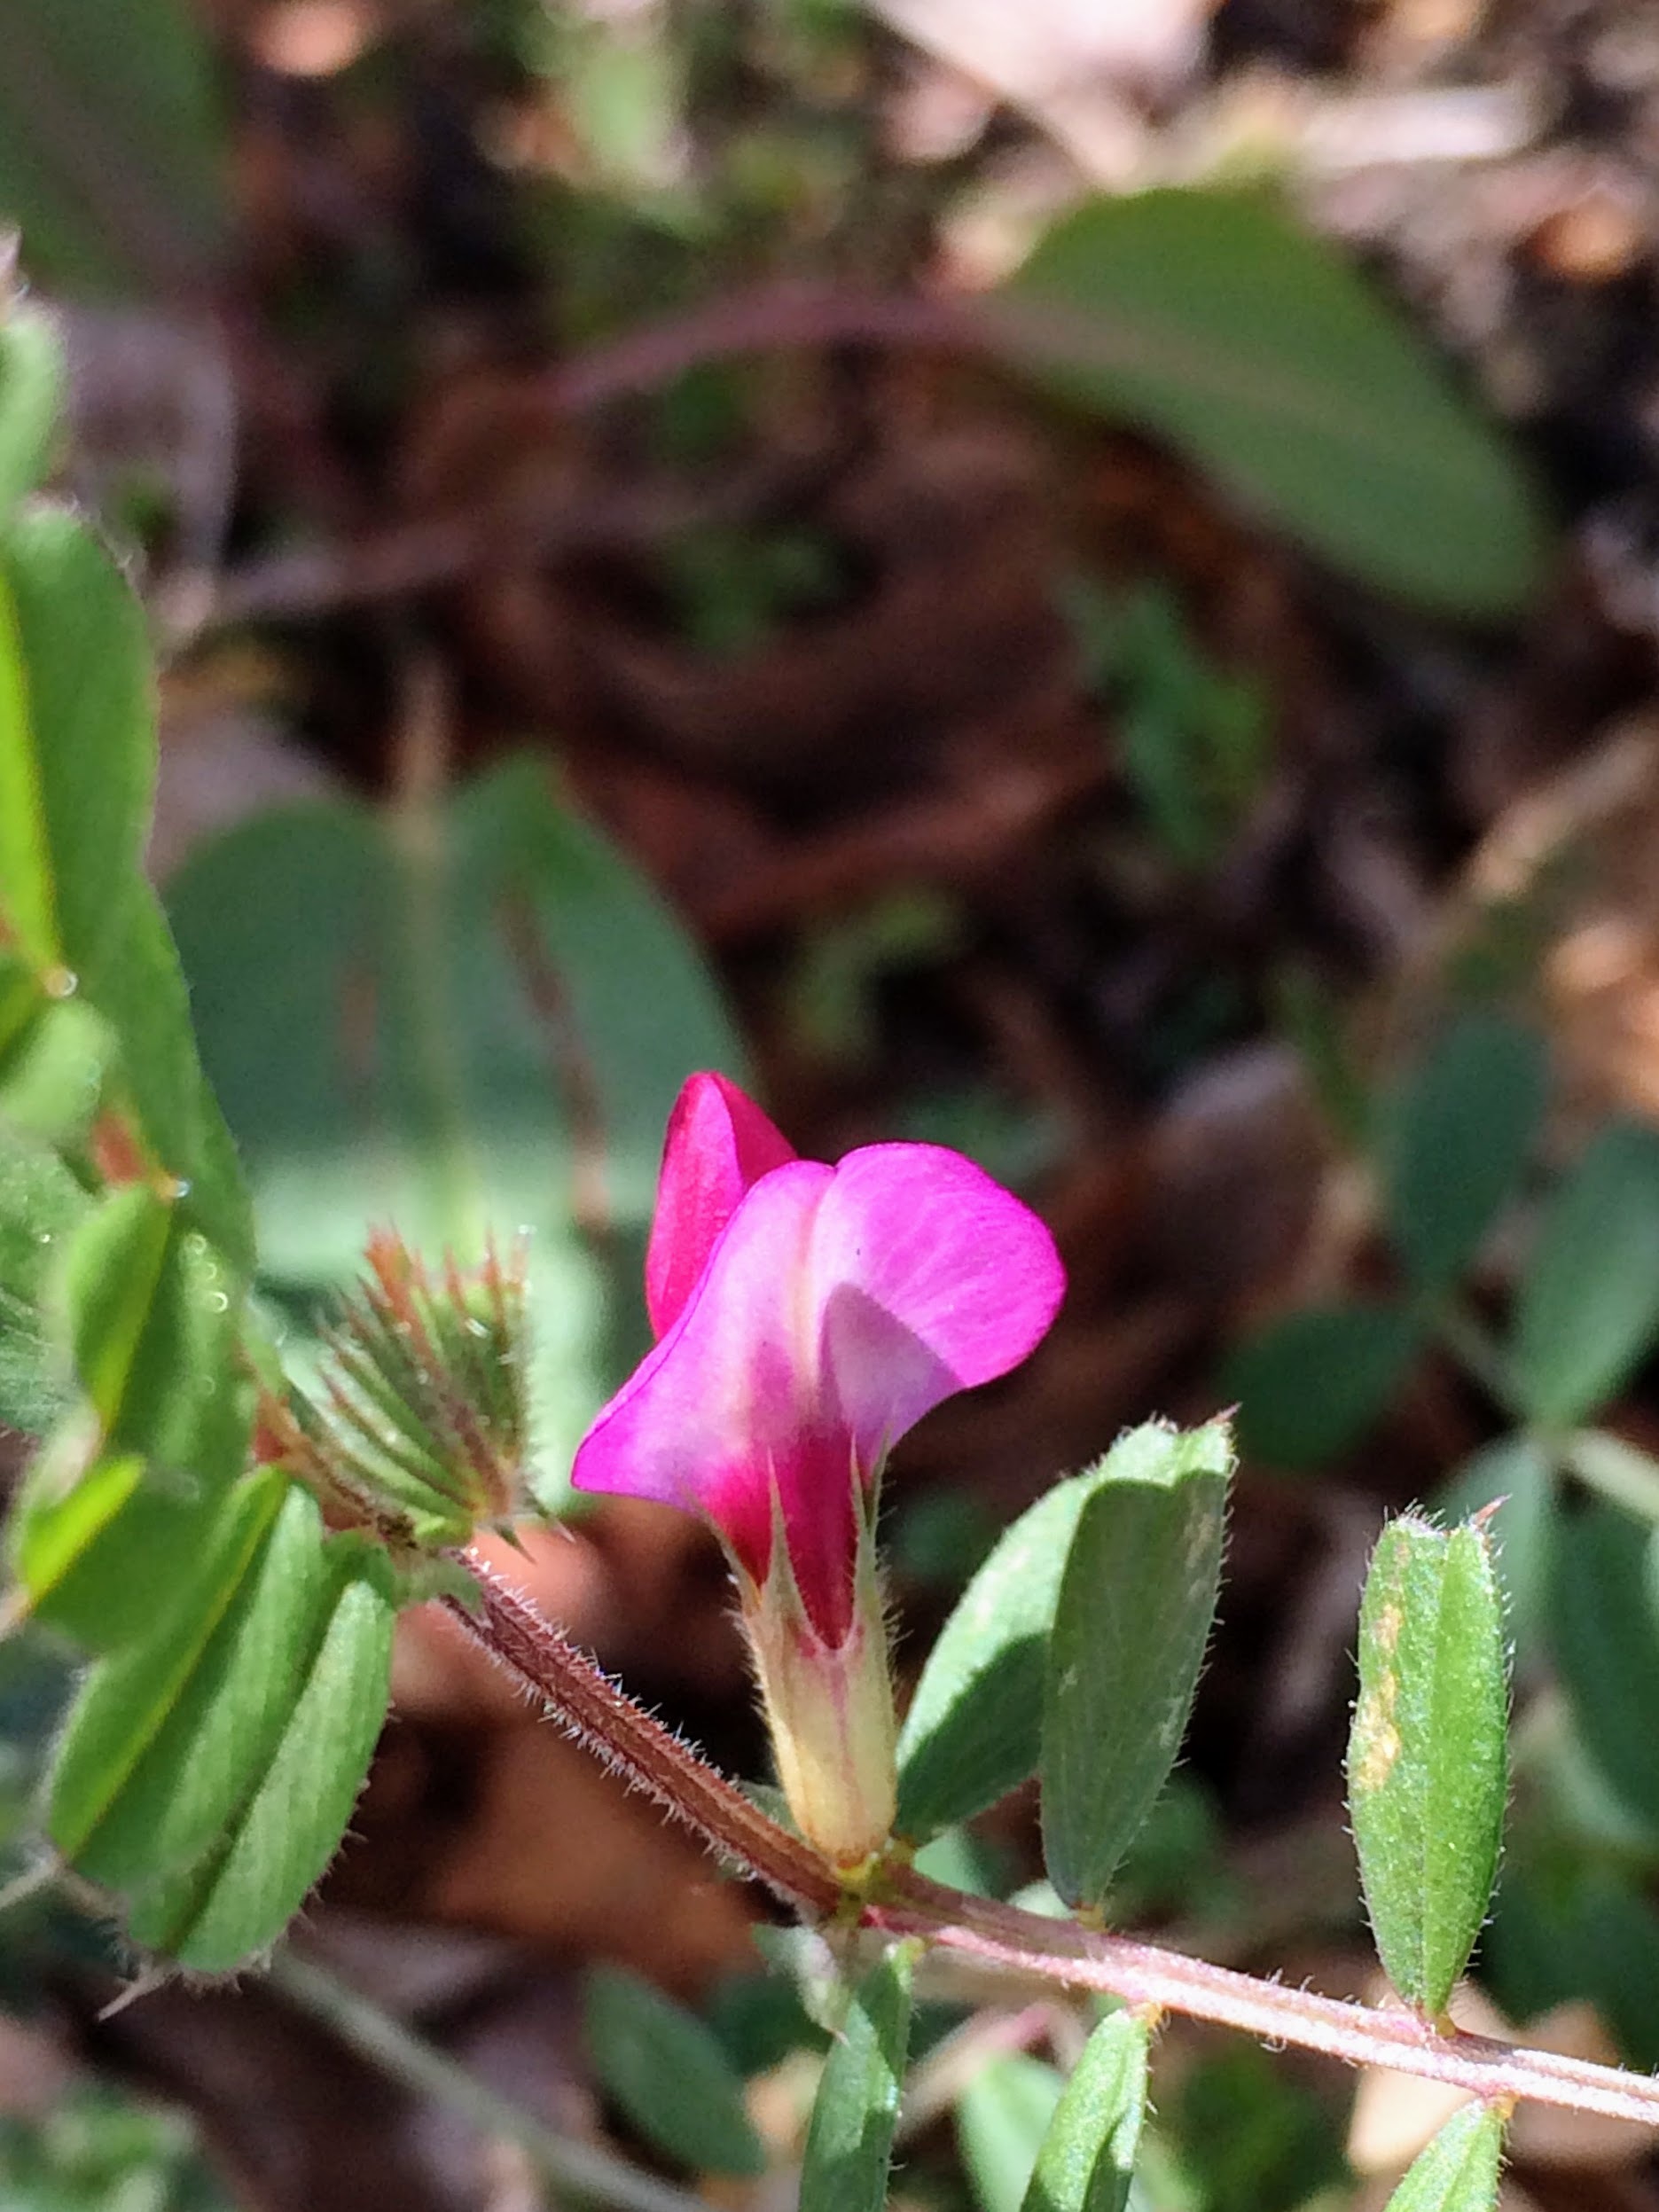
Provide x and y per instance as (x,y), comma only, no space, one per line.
(1428,1758)
(974,1730)
(241,1894)
(168,1736)
(1136,1603)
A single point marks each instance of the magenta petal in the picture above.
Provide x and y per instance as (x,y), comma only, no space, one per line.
(718,1143)
(726,1409)
(928,1277)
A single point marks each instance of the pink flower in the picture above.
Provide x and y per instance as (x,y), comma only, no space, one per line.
(808,1317)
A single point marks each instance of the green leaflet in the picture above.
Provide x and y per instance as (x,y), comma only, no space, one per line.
(1087,2160)
(1134,1613)
(1428,1756)
(1459,2171)
(974,1729)
(237,1899)
(849,2142)
(168,1737)
(670,2074)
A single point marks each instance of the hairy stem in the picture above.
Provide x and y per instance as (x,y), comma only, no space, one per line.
(1003,1938)
(581,1697)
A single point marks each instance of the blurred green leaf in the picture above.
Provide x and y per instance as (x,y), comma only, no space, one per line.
(31,384)
(240,1894)
(1134,1613)
(109,152)
(168,1737)
(1428,1758)
(1589,1307)
(1458,2171)
(670,2074)
(1604,1628)
(1213,320)
(1309,1385)
(974,1730)
(480,1028)
(1002,2120)
(1460,1134)
(1087,2160)
(850,2140)
(41,1206)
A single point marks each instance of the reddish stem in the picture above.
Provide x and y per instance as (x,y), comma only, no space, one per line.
(1002,1937)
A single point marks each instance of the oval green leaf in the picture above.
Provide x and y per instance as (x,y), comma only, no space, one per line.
(670,2074)
(168,1737)
(1137,1601)
(850,2141)
(241,1894)
(1427,1757)
(974,1729)
(1459,2171)
(1087,2160)
(1589,1306)
(1212,320)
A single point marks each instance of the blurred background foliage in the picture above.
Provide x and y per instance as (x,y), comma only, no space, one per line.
(1073,580)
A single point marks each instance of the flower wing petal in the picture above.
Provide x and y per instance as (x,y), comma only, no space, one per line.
(926,1278)
(718,1143)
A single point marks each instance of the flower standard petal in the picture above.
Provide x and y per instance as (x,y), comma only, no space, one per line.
(926,1278)
(718,1143)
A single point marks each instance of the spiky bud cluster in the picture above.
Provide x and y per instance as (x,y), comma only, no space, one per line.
(420,1425)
